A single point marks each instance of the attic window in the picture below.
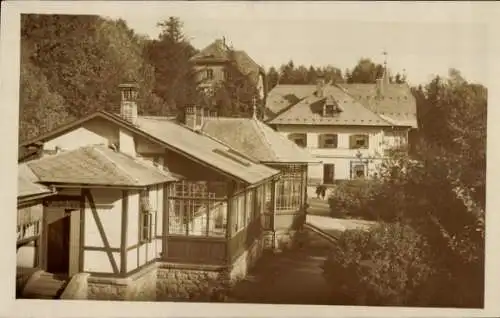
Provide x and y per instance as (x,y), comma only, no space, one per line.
(330,108)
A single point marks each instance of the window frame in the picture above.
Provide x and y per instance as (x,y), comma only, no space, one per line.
(332,173)
(146,217)
(354,166)
(289,189)
(324,137)
(299,136)
(209,74)
(354,141)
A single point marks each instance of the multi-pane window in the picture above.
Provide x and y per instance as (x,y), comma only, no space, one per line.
(209,74)
(196,209)
(358,170)
(289,188)
(299,139)
(359,142)
(328,141)
(240,213)
(146,216)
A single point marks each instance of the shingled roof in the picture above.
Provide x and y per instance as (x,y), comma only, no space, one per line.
(28,186)
(219,52)
(99,166)
(214,153)
(255,139)
(397,104)
(309,110)
(297,104)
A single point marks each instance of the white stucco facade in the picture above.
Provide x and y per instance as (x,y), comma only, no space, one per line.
(344,157)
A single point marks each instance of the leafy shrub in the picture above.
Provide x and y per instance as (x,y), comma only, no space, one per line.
(387,265)
(354,198)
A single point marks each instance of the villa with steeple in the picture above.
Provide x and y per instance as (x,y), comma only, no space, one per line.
(348,127)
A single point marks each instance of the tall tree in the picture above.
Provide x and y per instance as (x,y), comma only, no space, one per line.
(174,76)
(72,65)
(365,71)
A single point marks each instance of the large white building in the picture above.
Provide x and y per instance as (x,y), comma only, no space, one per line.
(348,127)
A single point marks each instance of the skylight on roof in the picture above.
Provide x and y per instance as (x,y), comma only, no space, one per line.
(234,157)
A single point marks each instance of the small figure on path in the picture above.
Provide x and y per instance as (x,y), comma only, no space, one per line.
(318,191)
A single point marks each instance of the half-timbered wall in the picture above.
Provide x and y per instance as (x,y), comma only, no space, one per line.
(102,237)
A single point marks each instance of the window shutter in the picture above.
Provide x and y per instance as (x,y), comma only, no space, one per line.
(321,139)
(352,143)
(367,142)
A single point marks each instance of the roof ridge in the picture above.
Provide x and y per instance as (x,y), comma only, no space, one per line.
(346,92)
(132,179)
(258,124)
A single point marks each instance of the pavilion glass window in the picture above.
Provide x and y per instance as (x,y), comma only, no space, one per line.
(289,188)
(197,209)
(146,216)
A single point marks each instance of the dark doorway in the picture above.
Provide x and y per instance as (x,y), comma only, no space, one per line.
(58,246)
(328,173)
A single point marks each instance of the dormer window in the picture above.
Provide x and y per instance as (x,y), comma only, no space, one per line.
(330,108)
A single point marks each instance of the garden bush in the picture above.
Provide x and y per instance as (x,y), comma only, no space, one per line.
(387,265)
(354,198)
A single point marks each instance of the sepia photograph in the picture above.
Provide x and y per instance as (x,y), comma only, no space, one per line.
(165,155)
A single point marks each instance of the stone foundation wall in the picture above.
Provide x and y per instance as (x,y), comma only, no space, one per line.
(100,288)
(140,286)
(246,260)
(183,282)
(164,281)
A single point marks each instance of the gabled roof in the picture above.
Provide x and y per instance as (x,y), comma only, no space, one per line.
(28,186)
(284,95)
(164,131)
(255,139)
(97,165)
(309,111)
(218,52)
(396,107)
(216,154)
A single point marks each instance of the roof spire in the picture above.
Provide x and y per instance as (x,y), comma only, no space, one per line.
(254,104)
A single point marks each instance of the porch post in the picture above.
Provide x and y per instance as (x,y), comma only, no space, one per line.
(82,232)
(124,228)
(229,222)
(273,211)
(165,225)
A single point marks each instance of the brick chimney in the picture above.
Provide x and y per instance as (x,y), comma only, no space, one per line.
(194,117)
(128,104)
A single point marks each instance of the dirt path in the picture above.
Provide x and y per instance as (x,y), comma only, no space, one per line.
(292,277)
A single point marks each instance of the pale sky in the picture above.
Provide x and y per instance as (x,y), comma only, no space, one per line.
(338,34)
(422,38)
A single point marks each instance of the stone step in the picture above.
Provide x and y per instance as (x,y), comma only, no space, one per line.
(44,286)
